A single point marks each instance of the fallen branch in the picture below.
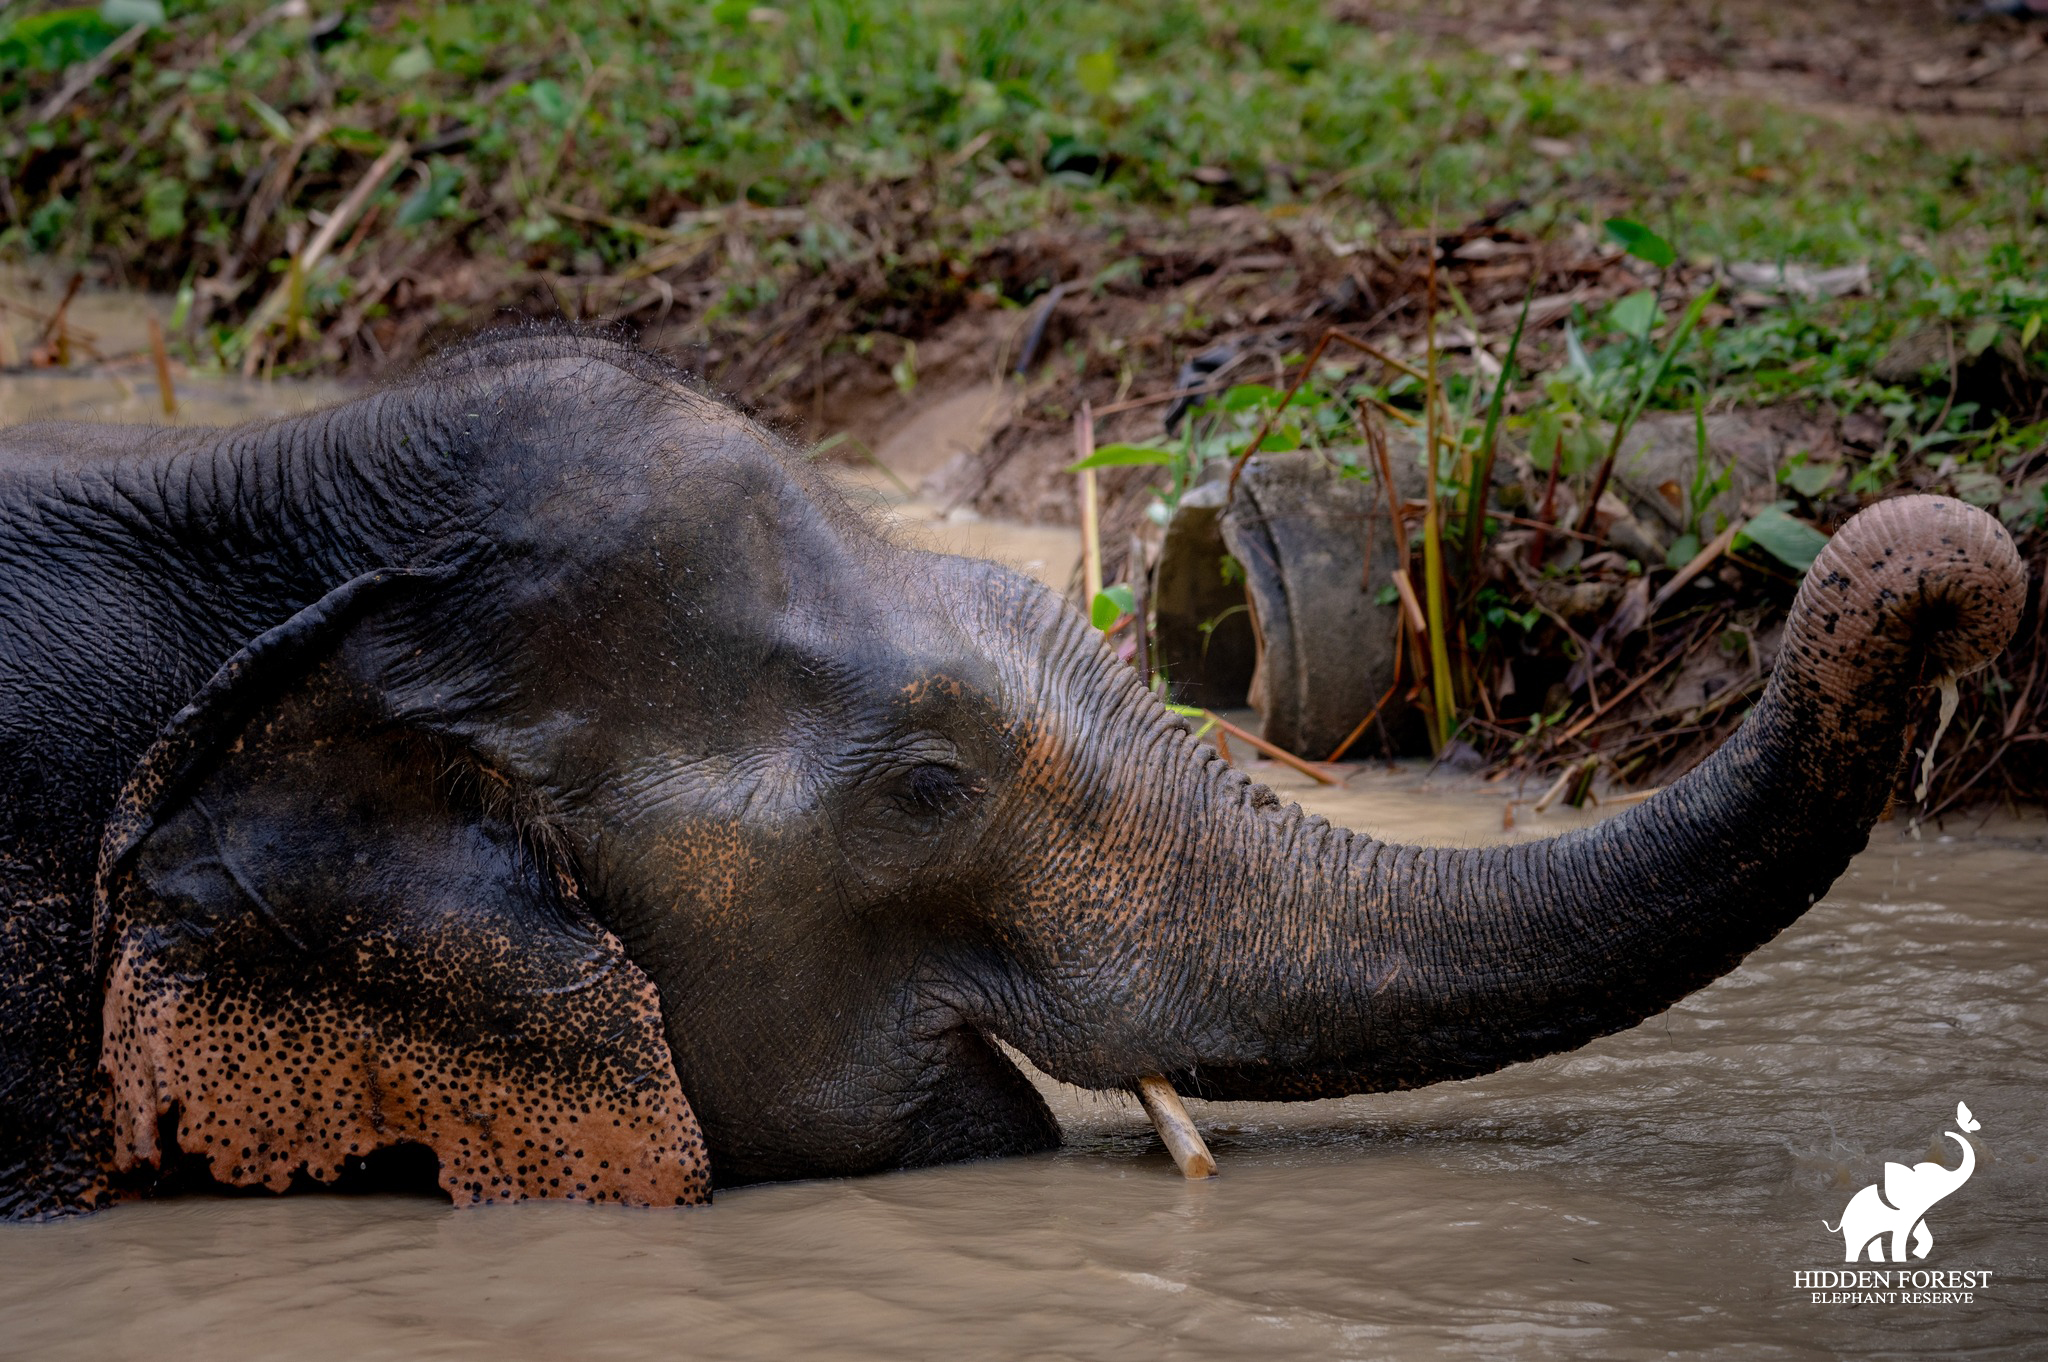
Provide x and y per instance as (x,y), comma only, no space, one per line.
(162,359)
(619,224)
(1632,687)
(1277,753)
(86,72)
(1564,781)
(54,333)
(337,222)
(1308,367)
(1374,712)
(1701,561)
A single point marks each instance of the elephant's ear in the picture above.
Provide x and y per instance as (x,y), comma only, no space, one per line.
(331,936)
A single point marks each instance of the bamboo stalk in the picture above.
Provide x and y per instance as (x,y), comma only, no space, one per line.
(1176,1128)
(162,359)
(1432,536)
(1091,510)
(1405,590)
(1140,578)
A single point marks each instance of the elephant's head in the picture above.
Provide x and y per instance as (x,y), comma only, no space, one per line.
(643,748)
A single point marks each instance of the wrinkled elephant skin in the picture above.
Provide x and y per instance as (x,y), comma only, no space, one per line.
(538,765)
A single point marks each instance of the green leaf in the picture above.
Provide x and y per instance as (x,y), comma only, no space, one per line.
(1792,542)
(1246,396)
(163,209)
(550,103)
(274,122)
(1679,336)
(47,224)
(1546,436)
(54,39)
(2029,331)
(129,13)
(1096,71)
(1122,456)
(1635,315)
(409,65)
(428,201)
(1583,447)
(1980,337)
(1280,441)
(356,139)
(1111,604)
(1507,376)
(1683,550)
(1577,362)
(1642,243)
(1978,487)
(1811,479)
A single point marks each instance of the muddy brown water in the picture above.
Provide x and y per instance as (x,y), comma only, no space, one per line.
(1653,1194)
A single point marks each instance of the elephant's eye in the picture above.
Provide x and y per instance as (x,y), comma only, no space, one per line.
(931,790)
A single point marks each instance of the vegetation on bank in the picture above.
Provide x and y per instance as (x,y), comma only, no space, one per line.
(795,187)
(213,145)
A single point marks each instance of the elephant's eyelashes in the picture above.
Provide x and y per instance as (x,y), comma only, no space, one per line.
(931,790)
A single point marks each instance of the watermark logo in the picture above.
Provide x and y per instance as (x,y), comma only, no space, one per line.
(1899,1211)
(1890,1218)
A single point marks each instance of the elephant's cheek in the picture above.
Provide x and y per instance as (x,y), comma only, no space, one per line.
(703,874)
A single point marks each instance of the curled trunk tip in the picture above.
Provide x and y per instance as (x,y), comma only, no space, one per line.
(1917,588)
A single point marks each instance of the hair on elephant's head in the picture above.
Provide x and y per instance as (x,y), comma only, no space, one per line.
(616,810)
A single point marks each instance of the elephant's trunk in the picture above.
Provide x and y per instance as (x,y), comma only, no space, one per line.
(1302,960)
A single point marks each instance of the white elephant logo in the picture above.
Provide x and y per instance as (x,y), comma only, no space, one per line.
(1901,1209)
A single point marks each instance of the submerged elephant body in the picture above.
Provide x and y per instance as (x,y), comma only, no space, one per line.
(538,763)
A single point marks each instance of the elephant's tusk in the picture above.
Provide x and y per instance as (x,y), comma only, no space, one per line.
(1176,1128)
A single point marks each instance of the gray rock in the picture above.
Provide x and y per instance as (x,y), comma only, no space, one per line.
(1657,461)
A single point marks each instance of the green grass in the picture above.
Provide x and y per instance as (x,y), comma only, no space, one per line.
(647,110)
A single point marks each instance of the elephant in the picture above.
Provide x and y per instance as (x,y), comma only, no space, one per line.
(537,772)
(1901,1209)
